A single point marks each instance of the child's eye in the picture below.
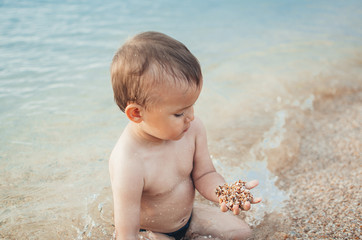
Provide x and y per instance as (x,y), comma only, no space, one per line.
(178,114)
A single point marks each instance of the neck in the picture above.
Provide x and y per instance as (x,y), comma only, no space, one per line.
(143,137)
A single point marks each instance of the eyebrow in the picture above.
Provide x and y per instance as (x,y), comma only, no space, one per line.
(185,108)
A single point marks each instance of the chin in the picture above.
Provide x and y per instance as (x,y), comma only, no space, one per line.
(179,136)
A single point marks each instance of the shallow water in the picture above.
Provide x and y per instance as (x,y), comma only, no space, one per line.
(264,66)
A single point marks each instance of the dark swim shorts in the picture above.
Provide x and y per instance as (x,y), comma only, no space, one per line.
(179,234)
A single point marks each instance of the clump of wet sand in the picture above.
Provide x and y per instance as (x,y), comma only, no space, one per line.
(324,180)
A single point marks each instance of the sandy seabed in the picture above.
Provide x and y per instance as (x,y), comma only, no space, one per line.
(324,179)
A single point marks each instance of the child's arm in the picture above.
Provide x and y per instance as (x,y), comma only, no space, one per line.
(127,186)
(204,175)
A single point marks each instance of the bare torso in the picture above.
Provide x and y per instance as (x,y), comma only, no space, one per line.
(154,187)
(167,178)
(168,191)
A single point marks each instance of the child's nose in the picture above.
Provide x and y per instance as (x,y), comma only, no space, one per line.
(190,114)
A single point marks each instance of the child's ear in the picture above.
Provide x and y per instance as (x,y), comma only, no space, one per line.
(133,112)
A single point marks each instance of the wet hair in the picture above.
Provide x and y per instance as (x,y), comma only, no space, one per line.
(148,60)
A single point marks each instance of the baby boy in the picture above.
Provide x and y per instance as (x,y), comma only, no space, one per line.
(162,155)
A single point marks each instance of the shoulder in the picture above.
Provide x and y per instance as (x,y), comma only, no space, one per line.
(197,127)
(197,124)
(124,158)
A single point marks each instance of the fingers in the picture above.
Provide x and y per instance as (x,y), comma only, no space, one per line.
(256,200)
(246,206)
(223,207)
(252,184)
(236,210)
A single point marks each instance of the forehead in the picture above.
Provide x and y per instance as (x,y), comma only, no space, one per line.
(176,95)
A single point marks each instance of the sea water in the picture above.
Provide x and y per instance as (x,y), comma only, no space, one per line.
(265,64)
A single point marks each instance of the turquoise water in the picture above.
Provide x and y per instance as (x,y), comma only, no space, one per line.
(59,122)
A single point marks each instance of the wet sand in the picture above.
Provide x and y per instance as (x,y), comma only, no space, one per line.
(324,178)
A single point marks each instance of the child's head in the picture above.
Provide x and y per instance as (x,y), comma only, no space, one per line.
(146,62)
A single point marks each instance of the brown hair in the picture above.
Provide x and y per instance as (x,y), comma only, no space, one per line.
(148,59)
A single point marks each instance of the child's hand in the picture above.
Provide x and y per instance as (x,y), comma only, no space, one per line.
(247,204)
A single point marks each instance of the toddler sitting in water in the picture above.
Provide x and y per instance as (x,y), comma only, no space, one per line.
(162,154)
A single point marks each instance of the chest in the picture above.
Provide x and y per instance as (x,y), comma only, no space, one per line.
(167,168)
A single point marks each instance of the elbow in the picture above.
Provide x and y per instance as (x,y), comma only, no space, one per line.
(199,178)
